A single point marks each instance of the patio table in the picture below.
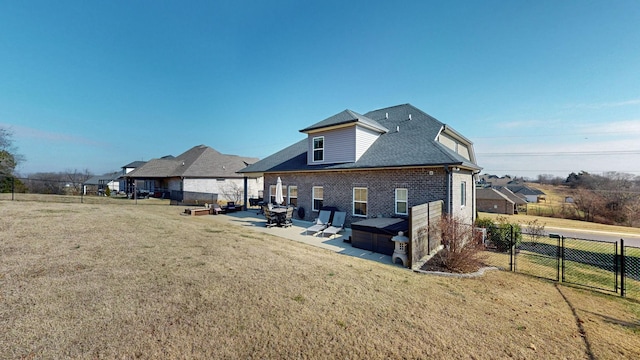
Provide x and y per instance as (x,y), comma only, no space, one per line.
(280,213)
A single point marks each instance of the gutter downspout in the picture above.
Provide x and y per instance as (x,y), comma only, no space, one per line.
(448,171)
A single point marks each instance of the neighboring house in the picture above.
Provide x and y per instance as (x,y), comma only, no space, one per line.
(493,201)
(96,185)
(531,195)
(201,172)
(124,185)
(519,200)
(488,180)
(377,164)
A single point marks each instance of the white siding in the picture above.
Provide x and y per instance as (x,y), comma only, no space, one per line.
(455,145)
(224,186)
(339,146)
(463,212)
(201,185)
(364,139)
(343,145)
(447,141)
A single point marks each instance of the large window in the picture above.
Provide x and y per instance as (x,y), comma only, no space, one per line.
(360,201)
(293,195)
(463,193)
(402,207)
(318,148)
(318,196)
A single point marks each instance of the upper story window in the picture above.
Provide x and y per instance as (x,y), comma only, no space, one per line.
(318,197)
(402,196)
(318,148)
(360,202)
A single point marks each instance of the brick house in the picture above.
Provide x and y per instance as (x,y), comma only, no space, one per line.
(200,173)
(374,165)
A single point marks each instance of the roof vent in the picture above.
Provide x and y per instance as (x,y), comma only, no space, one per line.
(397,128)
(409,116)
(386,115)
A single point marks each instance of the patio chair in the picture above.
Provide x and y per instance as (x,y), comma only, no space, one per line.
(230,207)
(215,209)
(272,220)
(322,222)
(288,217)
(337,225)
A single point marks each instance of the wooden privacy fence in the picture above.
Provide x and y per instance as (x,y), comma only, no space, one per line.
(424,230)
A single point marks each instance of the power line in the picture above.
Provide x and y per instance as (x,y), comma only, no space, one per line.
(566,153)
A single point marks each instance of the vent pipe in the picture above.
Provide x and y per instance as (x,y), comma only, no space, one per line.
(409,116)
(386,115)
(397,128)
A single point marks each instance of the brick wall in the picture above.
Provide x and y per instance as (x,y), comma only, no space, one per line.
(423,184)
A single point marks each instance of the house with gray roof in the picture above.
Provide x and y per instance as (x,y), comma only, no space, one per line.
(530,194)
(492,200)
(98,184)
(377,164)
(202,172)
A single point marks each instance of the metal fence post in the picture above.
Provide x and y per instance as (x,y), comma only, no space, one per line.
(615,265)
(562,256)
(622,267)
(512,247)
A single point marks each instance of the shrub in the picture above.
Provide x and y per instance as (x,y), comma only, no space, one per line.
(461,246)
(107,192)
(499,232)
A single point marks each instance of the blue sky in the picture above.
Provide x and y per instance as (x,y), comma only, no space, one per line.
(538,86)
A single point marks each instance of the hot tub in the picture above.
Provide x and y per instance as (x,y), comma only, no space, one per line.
(375,234)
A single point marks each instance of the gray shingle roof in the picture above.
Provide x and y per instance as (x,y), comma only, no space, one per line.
(346,117)
(491,194)
(102,179)
(135,164)
(198,162)
(408,143)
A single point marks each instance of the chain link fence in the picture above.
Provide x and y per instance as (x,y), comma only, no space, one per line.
(607,266)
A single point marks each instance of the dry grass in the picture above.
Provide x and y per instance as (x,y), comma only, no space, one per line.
(125,281)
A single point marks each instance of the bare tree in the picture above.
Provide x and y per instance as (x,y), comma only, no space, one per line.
(74,180)
(233,192)
(9,159)
(587,204)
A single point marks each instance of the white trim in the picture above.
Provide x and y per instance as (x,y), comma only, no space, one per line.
(405,201)
(365,202)
(313,149)
(313,198)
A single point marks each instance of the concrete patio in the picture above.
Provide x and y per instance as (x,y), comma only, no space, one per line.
(296,232)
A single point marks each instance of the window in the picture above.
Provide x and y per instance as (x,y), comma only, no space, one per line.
(360,202)
(272,194)
(401,202)
(318,148)
(318,195)
(293,195)
(463,193)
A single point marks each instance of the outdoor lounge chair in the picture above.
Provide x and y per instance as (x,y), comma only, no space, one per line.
(337,225)
(322,222)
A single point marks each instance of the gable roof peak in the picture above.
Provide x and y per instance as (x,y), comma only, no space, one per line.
(344,118)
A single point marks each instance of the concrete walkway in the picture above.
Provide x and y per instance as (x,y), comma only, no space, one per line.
(296,232)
